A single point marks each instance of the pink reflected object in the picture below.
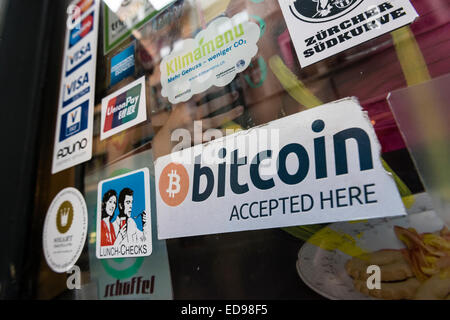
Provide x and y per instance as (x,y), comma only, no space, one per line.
(422,113)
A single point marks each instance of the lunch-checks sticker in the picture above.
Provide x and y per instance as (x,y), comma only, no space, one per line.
(123,109)
(124,217)
(323,28)
(317,166)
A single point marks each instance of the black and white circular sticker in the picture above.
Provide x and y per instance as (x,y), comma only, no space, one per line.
(65,230)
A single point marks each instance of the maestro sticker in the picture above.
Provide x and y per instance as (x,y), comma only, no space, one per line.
(123,216)
(81,30)
(65,230)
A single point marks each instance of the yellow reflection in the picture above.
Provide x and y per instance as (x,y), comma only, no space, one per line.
(213,8)
(92,237)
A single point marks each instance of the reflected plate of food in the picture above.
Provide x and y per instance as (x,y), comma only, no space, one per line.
(413,253)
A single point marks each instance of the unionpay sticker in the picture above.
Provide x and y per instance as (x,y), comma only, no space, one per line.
(322,28)
(214,57)
(123,109)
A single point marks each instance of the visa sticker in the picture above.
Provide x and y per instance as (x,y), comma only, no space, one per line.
(78,58)
(75,88)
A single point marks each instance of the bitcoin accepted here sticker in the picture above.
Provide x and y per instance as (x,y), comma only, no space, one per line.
(65,229)
(317,166)
(214,57)
(322,28)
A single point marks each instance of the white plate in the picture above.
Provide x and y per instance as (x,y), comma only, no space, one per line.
(324,270)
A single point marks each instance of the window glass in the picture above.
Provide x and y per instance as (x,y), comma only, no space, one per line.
(314,262)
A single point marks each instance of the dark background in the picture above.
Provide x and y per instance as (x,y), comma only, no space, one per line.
(30,51)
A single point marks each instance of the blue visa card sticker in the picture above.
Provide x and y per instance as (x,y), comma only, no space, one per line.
(74,121)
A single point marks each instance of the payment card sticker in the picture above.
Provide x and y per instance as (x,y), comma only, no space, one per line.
(123,109)
(122,65)
(75,115)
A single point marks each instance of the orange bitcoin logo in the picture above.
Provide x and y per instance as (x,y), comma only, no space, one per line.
(174,184)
